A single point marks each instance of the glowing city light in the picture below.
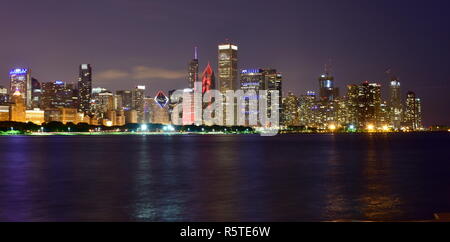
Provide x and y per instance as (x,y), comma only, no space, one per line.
(144,127)
(332,127)
(370,127)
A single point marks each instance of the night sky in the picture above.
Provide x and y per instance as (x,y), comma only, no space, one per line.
(132,42)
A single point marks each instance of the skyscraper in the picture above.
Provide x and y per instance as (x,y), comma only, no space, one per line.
(85,88)
(57,94)
(365,105)
(291,110)
(21,81)
(395,103)
(193,69)
(138,101)
(36,93)
(252,79)
(228,67)
(273,81)
(4,97)
(208,79)
(413,114)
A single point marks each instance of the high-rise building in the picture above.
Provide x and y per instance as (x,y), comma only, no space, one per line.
(57,94)
(138,101)
(85,88)
(273,82)
(365,105)
(17,108)
(193,70)
(127,99)
(413,112)
(395,103)
(291,110)
(228,67)
(327,90)
(4,97)
(21,81)
(252,79)
(36,93)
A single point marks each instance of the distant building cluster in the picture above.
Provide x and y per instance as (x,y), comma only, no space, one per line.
(361,108)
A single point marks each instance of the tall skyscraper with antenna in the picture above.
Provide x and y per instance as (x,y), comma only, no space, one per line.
(395,100)
(193,69)
(327,90)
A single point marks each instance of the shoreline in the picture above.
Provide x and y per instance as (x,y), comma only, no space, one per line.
(200,133)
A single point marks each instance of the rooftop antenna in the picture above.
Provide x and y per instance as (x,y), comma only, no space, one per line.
(328,67)
(195,53)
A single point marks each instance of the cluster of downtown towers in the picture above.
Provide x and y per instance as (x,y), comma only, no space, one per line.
(28,100)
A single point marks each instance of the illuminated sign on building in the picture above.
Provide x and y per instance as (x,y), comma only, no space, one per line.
(161,99)
(251,71)
(18,71)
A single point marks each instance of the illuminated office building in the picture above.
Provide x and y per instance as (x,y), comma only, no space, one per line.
(4,97)
(290,110)
(126,97)
(395,104)
(138,101)
(17,108)
(85,88)
(327,89)
(307,104)
(273,81)
(413,112)
(193,70)
(20,80)
(251,80)
(57,94)
(365,105)
(36,116)
(228,67)
(36,92)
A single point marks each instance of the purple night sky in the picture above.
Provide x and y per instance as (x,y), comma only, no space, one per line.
(132,42)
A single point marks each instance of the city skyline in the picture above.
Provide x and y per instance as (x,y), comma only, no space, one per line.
(300,57)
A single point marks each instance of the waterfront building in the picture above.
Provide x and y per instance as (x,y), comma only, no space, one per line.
(413,112)
(85,88)
(327,89)
(36,116)
(365,105)
(36,93)
(20,80)
(126,97)
(4,113)
(290,110)
(208,79)
(63,115)
(131,116)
